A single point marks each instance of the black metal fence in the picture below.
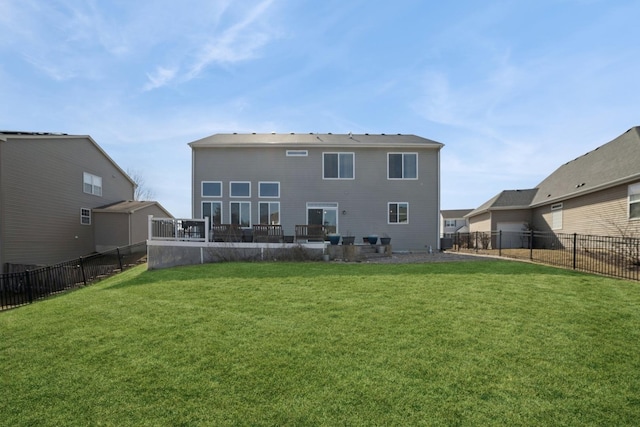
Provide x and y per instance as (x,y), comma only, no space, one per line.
(607,255)
(25,287)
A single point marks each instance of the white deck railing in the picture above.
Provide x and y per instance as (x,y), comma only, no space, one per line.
(177,229)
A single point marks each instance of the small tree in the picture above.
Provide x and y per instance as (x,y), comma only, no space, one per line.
(141,192)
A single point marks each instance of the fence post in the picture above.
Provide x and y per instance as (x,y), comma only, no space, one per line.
(476,242)
(575,249)
(499,242)
(84,278)
(119,259)
(27,283)
(530,245)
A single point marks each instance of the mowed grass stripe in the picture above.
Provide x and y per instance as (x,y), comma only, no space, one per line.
(478,343)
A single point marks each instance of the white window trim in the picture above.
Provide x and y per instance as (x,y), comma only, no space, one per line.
(450,223)
(241,202)
(389,209)
(403,154)
(268,182)
(209,182)
(211,202)
(89,178)
(353,154)
(297,153)
(239,182)
(82,216)
(633,190)
(269,208)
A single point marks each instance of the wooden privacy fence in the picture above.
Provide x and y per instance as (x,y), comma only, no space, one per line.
(25,287)
(616,256)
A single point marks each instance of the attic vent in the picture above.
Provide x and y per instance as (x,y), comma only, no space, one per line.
(580,185)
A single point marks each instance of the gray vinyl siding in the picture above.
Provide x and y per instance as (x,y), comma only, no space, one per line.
(116,229)
(42,194)
(603,213)
(363,199)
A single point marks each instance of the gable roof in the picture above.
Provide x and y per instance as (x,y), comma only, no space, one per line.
(129,207)
(507,200)
(454,213)
(313,139)
(613,163)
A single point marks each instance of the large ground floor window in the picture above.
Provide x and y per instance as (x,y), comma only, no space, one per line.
(240,213)
(269,213)
(213,211)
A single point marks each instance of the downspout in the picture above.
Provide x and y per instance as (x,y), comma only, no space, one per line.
(438,208)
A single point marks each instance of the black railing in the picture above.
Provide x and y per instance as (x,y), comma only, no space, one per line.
(616,256)
(25,287)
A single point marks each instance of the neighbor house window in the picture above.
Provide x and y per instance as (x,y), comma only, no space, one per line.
(240,189)
(634,201)
(556,216)
(402,165)
(213,211)
(338,165)
(85,216)
(92,184)
(269,213)
(269,189)
(240,213)
(211,189)
(398,212)
(449,223)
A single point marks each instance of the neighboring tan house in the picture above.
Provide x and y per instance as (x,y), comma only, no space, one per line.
(454,221)
(50,187)
(597,194)
(358,184)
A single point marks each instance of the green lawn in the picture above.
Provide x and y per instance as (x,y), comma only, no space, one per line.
(478,343)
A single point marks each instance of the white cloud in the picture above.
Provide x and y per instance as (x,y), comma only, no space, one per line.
(160,77)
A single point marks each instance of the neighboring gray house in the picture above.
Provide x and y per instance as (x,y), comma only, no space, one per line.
(358,184)
(597,193)
(50,187)
(454,221)
(124,223)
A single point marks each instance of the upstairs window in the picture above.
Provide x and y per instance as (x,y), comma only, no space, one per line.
(211,189)
(449,223)
(240,189)
(269,189)
(634,201)
(402,165)
(338,165)
(92,184)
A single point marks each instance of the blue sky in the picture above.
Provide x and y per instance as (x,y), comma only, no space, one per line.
(513,89)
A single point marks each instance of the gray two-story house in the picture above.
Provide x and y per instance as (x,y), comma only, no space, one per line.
(62,197)
(357,185)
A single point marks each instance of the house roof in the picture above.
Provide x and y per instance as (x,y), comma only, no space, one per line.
(507,199)
(314,139)
(5,134)
(454,213)
(129,207)
(613,163)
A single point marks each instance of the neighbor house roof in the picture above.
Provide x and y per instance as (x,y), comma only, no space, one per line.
(613,163)
(454,213)
(314,139)
(507,200)
(129,207)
